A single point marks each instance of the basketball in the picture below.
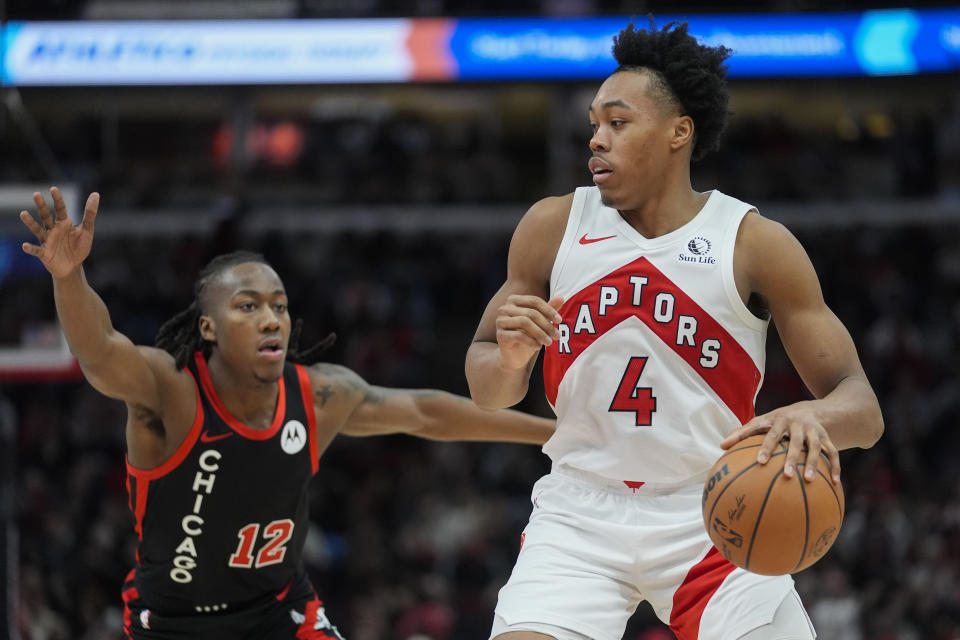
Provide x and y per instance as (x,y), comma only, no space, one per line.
(764,522)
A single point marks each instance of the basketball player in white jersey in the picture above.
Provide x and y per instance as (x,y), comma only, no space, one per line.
(652,301)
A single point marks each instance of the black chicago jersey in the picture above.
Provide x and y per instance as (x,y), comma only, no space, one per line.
(223,522)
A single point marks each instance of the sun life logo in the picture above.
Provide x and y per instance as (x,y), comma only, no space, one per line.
(699,246)
(293,438)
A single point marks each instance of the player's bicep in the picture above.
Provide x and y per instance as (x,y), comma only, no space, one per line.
(814,338)
(131,373)
(820,348)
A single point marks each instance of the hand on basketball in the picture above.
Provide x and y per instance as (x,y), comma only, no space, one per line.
(524,325)
(63,245)
(798,424)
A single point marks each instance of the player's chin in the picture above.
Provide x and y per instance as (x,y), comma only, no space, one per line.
(608,196)
(268,374)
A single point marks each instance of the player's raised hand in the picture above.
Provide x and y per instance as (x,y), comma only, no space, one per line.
(63,245)
(524,325)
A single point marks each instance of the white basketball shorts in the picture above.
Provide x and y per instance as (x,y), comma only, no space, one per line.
(595,548)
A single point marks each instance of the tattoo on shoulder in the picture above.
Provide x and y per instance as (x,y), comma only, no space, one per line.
(341,379)
(338,380)
(324,393)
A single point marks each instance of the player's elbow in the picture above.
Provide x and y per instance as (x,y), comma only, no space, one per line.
(874,427)
(491,398)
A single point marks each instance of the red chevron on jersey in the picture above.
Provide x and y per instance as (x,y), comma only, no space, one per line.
(674,317)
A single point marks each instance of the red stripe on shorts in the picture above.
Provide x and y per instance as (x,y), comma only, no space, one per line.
(306,630)
(698,587)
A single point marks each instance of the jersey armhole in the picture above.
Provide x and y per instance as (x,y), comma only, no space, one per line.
(174,461)
(569,236)
(729,278)
(307,395)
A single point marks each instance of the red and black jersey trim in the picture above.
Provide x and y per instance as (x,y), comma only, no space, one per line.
(307,395)
(226,416)
(138,480)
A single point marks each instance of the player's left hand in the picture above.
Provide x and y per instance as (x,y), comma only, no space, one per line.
(799,425)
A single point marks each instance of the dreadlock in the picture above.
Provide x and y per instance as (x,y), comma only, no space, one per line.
(686,74)
(180,335)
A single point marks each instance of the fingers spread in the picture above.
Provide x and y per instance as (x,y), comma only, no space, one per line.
(32,249)
(774,435)
(757,425)
(813,454)
(43,210)
(794,450)
(90,211)
(33,225)
(58,204)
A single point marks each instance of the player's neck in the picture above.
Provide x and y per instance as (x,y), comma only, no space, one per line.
(665,211)
(248,399)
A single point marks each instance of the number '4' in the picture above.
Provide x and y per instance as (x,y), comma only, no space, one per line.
(277,532)
(632,397)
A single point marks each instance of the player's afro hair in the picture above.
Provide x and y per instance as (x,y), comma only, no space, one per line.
(689,75)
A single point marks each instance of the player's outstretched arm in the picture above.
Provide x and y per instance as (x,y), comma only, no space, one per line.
(519,320)
(111,363)
(369,410)
(845,412)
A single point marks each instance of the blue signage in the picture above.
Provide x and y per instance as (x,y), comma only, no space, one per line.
(882,42)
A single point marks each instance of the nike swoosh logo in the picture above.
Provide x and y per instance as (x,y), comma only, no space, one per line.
(586,240)
(206,437)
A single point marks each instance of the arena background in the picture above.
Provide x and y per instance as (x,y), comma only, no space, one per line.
(387,208)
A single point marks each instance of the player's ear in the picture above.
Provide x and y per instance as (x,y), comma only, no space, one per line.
(208,328)
(682,132)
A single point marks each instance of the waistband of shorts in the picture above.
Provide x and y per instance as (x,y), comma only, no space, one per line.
(627,487)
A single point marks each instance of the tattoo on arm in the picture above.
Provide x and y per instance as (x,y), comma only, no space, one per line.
(345,379)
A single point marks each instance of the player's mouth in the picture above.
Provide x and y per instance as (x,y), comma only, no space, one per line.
(271,349)
(600,170)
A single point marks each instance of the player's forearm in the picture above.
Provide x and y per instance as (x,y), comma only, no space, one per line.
(450,417)
(83,316)
(492,386)
(851,414)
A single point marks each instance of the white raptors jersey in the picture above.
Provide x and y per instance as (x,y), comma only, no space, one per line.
(658,358)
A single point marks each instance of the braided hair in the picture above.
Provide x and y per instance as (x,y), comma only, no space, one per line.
(180,335)
(686,74)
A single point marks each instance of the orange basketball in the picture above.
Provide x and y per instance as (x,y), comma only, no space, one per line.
(767,523)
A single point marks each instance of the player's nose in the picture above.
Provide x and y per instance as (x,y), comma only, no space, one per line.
(269,320)
(599,142)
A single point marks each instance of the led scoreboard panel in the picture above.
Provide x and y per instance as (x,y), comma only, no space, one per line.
(227,52)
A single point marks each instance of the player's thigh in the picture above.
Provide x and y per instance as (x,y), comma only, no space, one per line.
(523,635)
(575,568)
(790,622)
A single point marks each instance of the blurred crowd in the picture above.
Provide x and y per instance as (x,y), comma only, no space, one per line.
(410,539)
(483,145)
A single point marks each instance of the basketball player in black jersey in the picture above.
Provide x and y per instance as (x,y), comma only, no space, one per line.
(223,434)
